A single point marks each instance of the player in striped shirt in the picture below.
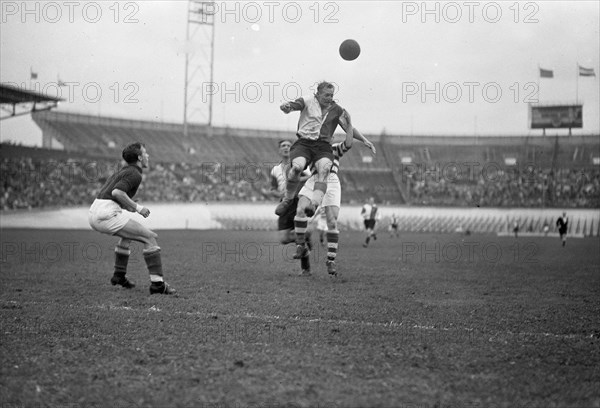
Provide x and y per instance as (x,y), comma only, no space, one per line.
(331,201)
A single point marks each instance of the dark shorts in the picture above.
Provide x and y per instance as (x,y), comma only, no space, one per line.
(311,150)
(395,226)
(370,224)
(286,221)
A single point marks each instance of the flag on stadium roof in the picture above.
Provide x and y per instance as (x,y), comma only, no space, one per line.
(546,73)
(586,71)
(32,75)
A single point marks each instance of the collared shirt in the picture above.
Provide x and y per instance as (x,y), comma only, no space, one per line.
(314,123)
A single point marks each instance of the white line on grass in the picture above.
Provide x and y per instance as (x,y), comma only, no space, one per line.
(494,337)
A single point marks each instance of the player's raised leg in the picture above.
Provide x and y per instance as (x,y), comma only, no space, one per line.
(293,180)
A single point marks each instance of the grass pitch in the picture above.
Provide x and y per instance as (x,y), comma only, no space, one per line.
(423,320)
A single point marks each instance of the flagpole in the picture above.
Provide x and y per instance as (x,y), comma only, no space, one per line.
(538,84)
(577,83)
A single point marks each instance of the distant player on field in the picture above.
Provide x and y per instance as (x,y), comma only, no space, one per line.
(106,216)
(516,228)
(394,226)
(563,225)
(370,214)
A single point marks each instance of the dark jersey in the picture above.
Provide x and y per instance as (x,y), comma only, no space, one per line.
(128,179)
(562,223)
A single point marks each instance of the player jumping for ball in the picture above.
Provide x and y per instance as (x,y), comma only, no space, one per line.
(106,216)
(332,199)
(319,117)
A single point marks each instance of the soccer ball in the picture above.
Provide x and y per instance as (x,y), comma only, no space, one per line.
(349,50)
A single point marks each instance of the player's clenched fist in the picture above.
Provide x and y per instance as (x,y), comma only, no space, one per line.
(286,107)
(144,212)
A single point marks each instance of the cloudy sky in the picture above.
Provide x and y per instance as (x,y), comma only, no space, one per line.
(444,68)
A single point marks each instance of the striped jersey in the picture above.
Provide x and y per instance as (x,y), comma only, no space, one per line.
(370,212)
(338,151)
(314,124)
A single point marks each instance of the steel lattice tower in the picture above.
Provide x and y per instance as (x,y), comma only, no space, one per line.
(199,53)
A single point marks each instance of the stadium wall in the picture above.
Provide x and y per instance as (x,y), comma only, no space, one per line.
(241,216)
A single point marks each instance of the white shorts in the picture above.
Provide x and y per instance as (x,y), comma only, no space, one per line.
(107,217)
(333,195)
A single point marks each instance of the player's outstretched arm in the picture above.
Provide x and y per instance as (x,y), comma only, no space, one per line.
(346,124)
(359,136)
(287,107)
(128,203)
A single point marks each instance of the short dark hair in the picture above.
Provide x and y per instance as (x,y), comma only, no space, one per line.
(323,85)
(282,141)
(132,152)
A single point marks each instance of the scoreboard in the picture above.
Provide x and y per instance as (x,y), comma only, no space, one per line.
(556,116)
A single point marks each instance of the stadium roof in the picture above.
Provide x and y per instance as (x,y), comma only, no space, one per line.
(11,96)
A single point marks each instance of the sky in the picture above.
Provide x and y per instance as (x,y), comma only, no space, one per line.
(443,68)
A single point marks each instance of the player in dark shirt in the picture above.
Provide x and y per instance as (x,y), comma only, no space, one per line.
(106,216)
(563,225)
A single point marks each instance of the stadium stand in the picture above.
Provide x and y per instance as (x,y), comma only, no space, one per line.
(221,164)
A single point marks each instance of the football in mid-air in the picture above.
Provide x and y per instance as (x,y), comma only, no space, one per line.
(349,50)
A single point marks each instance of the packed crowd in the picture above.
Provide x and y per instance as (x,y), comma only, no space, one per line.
(507,188)
(35,183)
(43,182)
